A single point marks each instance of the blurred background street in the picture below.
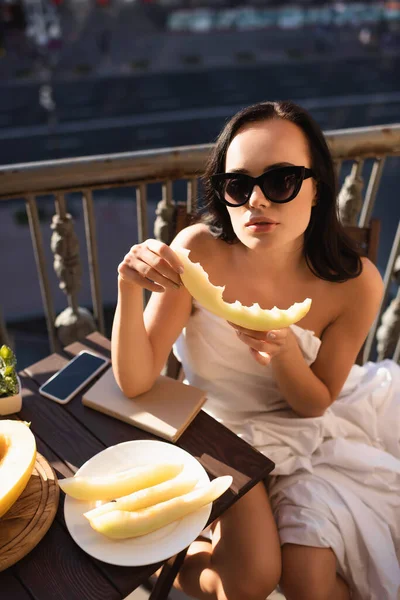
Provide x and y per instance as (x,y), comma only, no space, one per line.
(121,75)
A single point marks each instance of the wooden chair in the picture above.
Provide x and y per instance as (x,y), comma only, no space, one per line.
(366,238)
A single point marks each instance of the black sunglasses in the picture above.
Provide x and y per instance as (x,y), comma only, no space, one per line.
(278,185)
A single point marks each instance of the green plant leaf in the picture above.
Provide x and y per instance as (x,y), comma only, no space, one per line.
(8,375)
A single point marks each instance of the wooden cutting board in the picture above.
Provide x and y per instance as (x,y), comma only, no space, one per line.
(27,521)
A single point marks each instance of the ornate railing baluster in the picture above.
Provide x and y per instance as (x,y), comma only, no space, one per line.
(74,322)
(141,207)
(141,211)
(372,189)
(37,243)
(90,230)
(388,333)
(396,354)
(192,193)
(350,198)
(391,320)
(165,215)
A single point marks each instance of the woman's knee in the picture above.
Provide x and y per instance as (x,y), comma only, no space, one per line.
(308,573)
(246,550)
(304,593)
(305,586)
(248,590)
(250,583)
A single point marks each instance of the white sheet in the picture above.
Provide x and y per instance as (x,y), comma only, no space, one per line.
(337,479)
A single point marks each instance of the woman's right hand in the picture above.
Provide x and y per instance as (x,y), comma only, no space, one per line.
(152,265)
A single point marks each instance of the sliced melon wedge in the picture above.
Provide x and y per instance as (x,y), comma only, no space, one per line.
(147,497)
(197,282)
(17,459)
(121,524)
(109,487)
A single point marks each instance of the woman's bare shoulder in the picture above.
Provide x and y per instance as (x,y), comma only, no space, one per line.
(363,294)
(369,282)
(196,238)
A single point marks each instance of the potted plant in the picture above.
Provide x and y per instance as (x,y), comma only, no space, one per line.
(10,385)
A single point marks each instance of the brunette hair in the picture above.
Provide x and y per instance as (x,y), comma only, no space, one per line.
(329,252)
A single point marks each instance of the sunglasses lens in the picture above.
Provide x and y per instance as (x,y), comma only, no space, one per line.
(281,184)
(236,190)
(278,185)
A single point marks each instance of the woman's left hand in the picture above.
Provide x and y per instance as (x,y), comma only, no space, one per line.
(264,345)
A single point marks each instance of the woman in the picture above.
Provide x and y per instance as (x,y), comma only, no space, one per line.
(270,234)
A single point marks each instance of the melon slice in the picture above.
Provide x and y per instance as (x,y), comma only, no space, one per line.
(121,524)
(197,282)
(17,459)
(147,497)
(109,487)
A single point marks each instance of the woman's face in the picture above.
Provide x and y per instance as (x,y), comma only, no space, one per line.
(256,148)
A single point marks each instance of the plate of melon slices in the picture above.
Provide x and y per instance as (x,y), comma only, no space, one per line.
(139,502)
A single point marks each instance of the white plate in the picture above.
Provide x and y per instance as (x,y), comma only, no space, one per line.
(146,549)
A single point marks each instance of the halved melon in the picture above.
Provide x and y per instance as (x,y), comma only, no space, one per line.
(121,524)
(197,282)
(110,487)
(17,459)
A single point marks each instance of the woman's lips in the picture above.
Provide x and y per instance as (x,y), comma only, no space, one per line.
(261,226)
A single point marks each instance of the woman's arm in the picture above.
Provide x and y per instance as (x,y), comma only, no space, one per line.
(303,390)
(342,340)
(141,341)
(311,390)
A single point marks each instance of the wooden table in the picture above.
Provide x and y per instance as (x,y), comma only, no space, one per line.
(67,436)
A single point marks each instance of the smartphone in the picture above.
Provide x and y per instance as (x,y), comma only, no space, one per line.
(68,381)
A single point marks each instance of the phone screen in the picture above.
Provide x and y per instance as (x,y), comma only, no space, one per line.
(74,374)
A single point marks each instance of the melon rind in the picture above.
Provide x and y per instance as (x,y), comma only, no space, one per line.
(210,296)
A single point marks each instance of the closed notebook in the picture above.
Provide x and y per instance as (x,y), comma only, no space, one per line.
(165,410)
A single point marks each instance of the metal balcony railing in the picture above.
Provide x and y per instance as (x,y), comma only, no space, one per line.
(138,169)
